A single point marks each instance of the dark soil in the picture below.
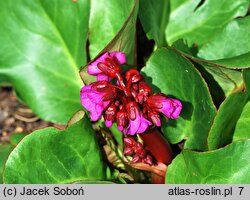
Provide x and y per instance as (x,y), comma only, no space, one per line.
(15,117)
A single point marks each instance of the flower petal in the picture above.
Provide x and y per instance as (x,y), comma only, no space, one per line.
(92,67)
(103,77)
(177,109)
(92,101)
(139,125)
(120,57)
(171,108)
(144,125)
(133,126)
(96,112)
(108,123)
(120,128)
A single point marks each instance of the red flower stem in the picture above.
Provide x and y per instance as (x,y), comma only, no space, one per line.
(160,149)
(157,145)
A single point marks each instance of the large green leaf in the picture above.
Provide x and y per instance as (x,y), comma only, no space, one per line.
(124,40)
(228,79)
(175,76)
(5,150)
(232,41)
(237,62)
(225,77)
(197,21)
(15,138)
(56,156)
(215,89)
(227,165)
(154,17)
(222,130)
(106,19)
(121,42)
(42,48)
(242,129)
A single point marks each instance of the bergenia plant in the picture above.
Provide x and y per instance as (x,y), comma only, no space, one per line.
(124,97)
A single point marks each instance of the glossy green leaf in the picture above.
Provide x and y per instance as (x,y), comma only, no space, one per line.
(175,76)
(232,41)
(222,130)
(237,62)
(106,20)
(56,156)
(228,79)
(197,21)
(5,150)
(121,42)
(154,17)
(16,138)
(215,89)
(4,80)
(229,165)
(42,48)
(125,39)
(221,80)
(242,129)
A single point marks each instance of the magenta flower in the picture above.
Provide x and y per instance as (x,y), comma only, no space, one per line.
(137,122)
(96,97)
(130,102)
(171,108)
(107,65)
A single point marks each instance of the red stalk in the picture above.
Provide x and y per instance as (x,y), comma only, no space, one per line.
(160,149)
(157,145)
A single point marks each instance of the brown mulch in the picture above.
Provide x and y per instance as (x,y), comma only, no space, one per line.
(15,117)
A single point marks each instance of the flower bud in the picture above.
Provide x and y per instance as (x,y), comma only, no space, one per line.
(136,159)
(138,147)
(132,74)
(122,119)
(144,92)
(148,160)
(110,115)
(129,141)
(132,109)
(107,70)
(171,108)
(141,153)
(128,151)
(154,117)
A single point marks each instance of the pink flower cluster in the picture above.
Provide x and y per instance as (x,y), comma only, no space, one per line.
(128,101)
